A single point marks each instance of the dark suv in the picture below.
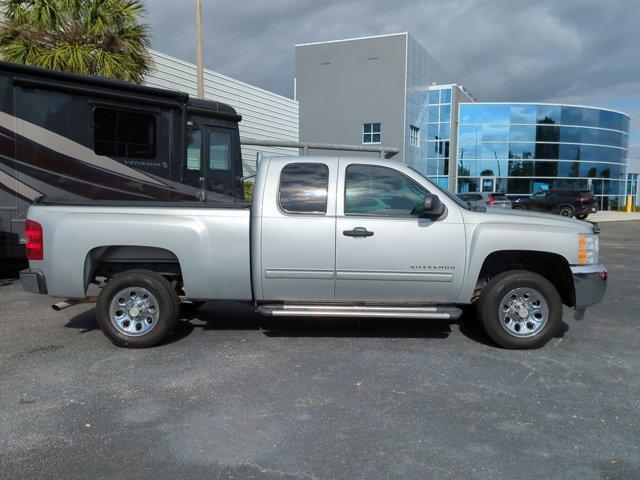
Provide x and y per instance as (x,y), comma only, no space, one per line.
(567,202)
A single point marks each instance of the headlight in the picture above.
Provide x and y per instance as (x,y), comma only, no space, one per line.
(588,248)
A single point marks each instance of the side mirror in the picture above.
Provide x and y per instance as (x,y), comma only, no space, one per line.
(432,207)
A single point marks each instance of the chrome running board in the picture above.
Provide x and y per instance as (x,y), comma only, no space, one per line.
(294,310)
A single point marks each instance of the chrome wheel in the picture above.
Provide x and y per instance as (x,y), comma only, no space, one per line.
(523,312)
(134,311)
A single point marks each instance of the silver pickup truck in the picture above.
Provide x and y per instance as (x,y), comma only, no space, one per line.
(344,237)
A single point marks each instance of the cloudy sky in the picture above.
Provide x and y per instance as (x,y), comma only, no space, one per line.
(570,51)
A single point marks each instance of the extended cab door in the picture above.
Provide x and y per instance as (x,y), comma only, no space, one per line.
(384,251)
(294,214)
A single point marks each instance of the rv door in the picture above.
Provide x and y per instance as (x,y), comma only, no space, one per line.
(210,162)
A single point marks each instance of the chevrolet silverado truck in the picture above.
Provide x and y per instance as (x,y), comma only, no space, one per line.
(339,237)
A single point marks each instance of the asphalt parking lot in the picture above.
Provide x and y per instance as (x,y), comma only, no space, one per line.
(233,395)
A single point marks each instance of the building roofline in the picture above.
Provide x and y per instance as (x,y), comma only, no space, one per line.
(218,74)
(351,39)
(555,104)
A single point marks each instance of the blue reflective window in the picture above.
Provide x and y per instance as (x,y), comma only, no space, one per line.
(522,133)
(434,96)
(467,167)
(569,169)
(492,168)
(484,113)
(520,168)
(432,167)
(522,150)
(592,153)
(590,117)
(445,113)
(547,150)
(611,120)
(432,150)
(571,116)
(469,134)
(495,133)
(546,133)
(549,114)
(590,135)
(546,169)
(443,182)
(571,134)
(432,131)
(625,123)
(523,113)
(494,150)
(445,95)
(445,130)
(433,114)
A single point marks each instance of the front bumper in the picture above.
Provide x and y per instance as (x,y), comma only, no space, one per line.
(33,281)
(589,283)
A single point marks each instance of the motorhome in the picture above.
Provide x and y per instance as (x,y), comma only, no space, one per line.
(82,140)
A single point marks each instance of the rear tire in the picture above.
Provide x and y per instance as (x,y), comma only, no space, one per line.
(565,211)
(137,309)
(520,309)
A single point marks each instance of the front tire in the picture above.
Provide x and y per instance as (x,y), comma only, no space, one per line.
(518,207)
(520,309)
(565,211)
(137,309)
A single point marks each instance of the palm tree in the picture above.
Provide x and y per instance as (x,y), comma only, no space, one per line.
(89,37)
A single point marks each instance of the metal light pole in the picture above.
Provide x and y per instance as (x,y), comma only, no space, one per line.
(199,68)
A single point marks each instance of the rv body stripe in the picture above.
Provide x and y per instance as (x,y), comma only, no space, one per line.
(18,187)
(65,146)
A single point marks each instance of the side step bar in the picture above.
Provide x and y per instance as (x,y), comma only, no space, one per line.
(293,310)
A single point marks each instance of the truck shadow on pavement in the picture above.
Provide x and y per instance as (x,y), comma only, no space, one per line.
(221,316)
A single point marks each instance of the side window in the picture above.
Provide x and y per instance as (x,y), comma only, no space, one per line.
(219,150)
(371,132)
(373,190)
(303,188)
(124,133)
(194,150)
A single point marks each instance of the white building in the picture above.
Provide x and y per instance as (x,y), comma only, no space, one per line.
(265,115)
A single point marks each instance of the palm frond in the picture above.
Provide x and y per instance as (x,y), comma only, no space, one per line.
(100,37)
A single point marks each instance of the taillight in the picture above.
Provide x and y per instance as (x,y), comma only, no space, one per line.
(33,232)
(583,199)
(491,200)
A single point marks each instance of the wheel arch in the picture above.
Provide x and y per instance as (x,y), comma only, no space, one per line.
(552,266)
(109,260)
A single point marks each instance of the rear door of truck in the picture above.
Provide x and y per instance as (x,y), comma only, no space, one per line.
(297,225)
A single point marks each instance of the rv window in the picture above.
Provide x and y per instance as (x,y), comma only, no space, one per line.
(219,150)
(124,133)
(194,150)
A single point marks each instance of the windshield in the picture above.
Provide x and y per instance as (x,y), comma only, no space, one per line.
(458,201)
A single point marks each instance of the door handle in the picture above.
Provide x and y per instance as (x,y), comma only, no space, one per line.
(357,232)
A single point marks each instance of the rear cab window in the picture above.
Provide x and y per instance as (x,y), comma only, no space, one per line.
(304,188)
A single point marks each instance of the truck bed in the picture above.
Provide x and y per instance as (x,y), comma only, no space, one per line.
(210,246)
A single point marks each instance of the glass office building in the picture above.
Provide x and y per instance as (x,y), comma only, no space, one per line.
(420,149)
(433,151)
(521,148)
(443,132)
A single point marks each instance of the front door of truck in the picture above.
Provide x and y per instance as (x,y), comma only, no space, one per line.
(384,251)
